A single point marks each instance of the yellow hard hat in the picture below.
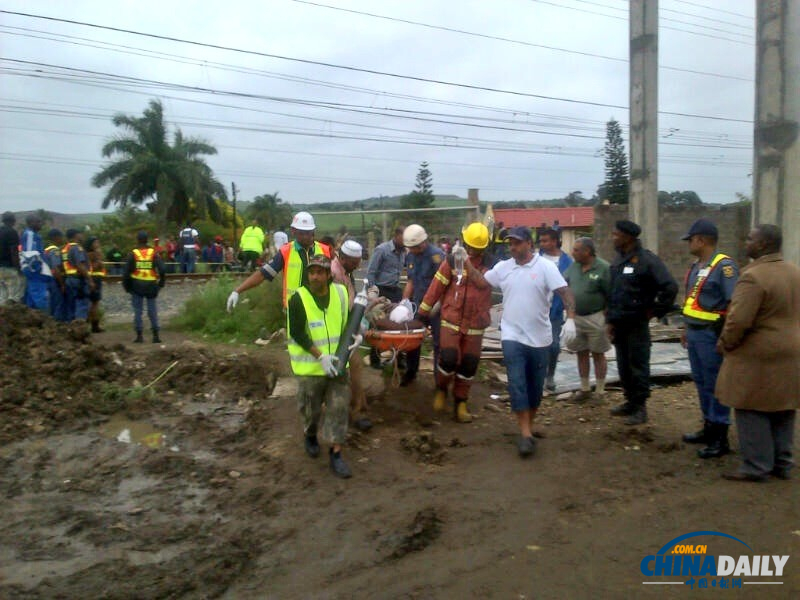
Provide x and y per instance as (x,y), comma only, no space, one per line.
(476,235)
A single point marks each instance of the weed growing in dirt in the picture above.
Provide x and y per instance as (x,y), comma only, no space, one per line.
(115,398)
(205,313)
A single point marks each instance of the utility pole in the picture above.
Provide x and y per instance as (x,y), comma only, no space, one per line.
(776,160)
(235,236)
(644,118)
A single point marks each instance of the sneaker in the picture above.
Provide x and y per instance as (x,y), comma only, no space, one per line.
(312,446)
(526,446)
(339,467)
(623,410)
(637,417)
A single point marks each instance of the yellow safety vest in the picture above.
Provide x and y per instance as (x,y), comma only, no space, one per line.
(252,240)
(69,268)
(144,269)
(691,307)
(324,327)
(293,267)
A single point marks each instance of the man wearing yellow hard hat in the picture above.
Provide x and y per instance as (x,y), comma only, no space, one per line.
(466,301)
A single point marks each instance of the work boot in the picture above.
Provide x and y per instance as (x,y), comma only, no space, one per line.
(139,339)
(440,401)
(461,413)
(311,446)
(623,410)
(718,442)
(699,437)
(156,339)
(638,416)
(338,466)
(96,327)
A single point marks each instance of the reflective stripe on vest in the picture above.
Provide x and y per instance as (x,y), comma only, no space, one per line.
(144,270)
(324,327)
(692,308)
(98,273)
(293,267)
(69,268)
(455,327)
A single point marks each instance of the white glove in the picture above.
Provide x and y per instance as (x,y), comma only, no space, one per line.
(329,364)
(357,339)
(459,254)
(567,333)
(233,299)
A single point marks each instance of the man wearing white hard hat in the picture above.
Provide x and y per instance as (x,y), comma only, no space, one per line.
(342,269)
(422,262)
(291,260)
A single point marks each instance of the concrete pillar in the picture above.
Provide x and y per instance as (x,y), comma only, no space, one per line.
(776,165)
(472,200)
(644,118)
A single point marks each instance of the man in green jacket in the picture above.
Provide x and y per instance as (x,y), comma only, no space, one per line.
(252,245)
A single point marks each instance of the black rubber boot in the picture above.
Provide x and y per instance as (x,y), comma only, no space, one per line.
(718,445)
(338,466)
(156,339)
(139,339)
(638,416)
(699,437)
(624,409)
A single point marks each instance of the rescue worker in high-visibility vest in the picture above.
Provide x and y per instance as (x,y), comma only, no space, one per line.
(251,245)
(77,283)
(466,301)
(52,256)
(316,319)
(709,289)
(142,278)
(291,261)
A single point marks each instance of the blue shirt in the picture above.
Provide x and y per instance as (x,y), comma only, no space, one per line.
(421,268)
(76,256)
(717,289)
(557,307)
(386,265)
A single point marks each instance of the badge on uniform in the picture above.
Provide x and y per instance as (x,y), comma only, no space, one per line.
(727,270)
(627,271)
(436,258)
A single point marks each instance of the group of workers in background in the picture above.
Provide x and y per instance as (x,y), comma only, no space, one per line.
(553,300)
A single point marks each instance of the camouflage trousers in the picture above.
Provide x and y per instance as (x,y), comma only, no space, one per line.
(334,394)
(12,285)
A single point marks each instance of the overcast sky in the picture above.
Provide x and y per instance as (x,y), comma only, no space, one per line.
(329,132)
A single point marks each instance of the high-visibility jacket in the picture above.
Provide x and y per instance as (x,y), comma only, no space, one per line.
(691,307)
(293,267)
(144,269)
(252,240)
(70,270)
(324,327)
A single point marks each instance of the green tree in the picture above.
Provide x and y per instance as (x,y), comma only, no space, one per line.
(617,185)
(270,211)
(422,196)
(678,198)
(174,179)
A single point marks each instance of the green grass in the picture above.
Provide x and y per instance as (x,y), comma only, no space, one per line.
(259,309)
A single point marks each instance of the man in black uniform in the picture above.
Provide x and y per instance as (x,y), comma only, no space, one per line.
(11,282)
(641,288)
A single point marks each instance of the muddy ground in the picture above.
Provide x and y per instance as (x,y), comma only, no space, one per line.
(177,471)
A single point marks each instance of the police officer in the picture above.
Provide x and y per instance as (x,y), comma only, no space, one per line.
(77,283)
(422,262)
(52,256)
(291,261)
(709,289)
(641,288)
(142,278)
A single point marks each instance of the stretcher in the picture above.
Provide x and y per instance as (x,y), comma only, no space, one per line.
(395,341)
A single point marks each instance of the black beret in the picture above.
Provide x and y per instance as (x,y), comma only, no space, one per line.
(629,227)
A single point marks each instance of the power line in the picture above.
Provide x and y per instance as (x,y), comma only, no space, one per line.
(714,8)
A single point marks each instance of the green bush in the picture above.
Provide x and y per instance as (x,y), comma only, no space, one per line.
(259,309)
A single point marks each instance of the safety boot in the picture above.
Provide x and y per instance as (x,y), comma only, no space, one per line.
(461,413)
(638,416)
(624,409)
(156,339)
(338,466)
(440,401)
(718,442)
(139,339)
(699,437)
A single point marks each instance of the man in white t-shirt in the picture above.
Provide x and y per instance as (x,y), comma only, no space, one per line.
(528,283)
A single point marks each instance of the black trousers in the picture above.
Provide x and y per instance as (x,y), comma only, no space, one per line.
(632,343)
(394,294)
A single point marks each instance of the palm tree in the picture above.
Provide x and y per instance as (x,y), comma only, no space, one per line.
(270,211)
(175,179)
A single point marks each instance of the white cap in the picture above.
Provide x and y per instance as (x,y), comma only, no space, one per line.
(303,221)
(414,235)
(352,248)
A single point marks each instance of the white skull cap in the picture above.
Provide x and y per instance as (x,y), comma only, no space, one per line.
(351,248)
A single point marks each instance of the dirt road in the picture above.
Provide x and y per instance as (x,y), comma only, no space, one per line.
(218,500)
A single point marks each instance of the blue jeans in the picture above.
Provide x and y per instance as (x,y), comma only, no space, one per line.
(526,367)
(188,260)
(705,362)
(555,347)
(56,301)
(152,311)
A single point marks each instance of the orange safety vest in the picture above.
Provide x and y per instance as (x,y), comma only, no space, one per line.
(293,267)
(69,268)
(691,307)
(144,269)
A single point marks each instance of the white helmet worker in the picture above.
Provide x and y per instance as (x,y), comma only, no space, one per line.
(414,235)
(303,221)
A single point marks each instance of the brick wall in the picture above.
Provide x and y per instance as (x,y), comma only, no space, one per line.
(732,221)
